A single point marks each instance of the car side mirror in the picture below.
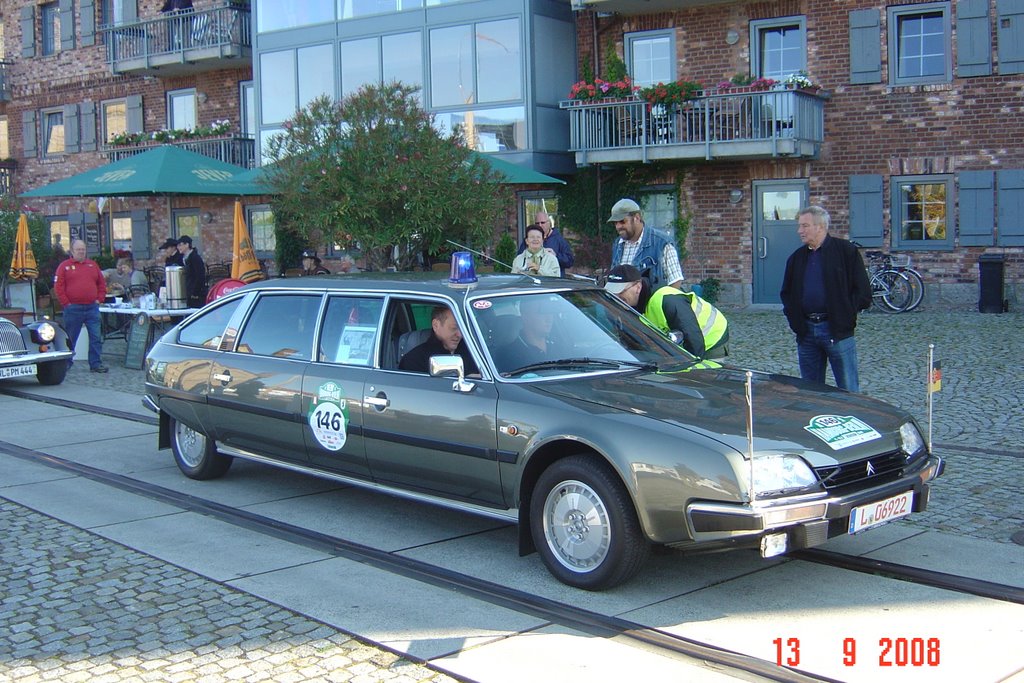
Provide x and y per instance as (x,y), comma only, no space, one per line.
(446,366)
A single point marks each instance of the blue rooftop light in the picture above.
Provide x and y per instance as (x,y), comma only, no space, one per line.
(463,271)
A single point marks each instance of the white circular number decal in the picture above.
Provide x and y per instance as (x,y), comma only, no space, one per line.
(328,425)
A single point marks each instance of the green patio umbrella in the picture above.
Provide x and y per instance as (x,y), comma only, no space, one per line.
(164,170)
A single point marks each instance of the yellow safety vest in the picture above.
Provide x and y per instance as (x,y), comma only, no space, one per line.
(713,324)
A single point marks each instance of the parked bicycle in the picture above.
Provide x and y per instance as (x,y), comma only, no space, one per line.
(891,290)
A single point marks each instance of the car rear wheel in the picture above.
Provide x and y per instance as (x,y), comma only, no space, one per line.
(584,525)
(52,372)
(195,454)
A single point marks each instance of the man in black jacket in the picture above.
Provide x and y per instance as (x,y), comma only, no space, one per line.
(824,286)
(195,273)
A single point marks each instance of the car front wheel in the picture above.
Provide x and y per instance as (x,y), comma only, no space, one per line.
(584,525)
(52,372)
(195,454)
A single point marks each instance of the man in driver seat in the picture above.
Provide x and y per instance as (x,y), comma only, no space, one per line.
(446,340)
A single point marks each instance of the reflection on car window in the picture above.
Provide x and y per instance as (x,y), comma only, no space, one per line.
(350,330)
(281,326)
(207,329)
(522,331)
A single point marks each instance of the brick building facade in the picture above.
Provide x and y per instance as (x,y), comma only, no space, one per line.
(76,76)
(923,116)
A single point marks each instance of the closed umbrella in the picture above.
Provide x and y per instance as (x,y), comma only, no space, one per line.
(244,265)
(23,265)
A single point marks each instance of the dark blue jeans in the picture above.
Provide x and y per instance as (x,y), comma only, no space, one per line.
(77,315)
(817,347)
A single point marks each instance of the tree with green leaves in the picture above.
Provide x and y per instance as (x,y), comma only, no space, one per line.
(373,172)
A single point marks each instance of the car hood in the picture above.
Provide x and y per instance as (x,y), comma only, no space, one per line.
(790,415)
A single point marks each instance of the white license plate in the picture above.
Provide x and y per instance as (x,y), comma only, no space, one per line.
(18,371)
(874,514)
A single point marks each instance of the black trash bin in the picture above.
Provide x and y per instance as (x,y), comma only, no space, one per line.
(990,281)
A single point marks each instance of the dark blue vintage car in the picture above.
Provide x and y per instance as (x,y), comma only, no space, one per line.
(593,431)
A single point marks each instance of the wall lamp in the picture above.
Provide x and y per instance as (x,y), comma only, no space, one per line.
(735,196)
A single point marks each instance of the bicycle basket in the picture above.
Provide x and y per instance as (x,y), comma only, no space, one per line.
(899,260)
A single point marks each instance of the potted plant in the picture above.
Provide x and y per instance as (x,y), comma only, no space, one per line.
(801,81)
(663,97)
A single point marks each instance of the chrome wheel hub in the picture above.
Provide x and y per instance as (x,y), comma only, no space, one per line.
(576,526)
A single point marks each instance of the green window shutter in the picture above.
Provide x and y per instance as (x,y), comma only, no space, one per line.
(29,135)
(133,114)
(140,234)
(88,12)
(1010,199)
(976,197)
(866,225)
(71,137)
(28,31)
(1010,36)
(973,38)
(87,128)
(67,24)
(865,46)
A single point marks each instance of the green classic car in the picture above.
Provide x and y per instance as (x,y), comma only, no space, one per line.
(564,412)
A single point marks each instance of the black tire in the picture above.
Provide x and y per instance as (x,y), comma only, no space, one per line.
(584,525)
(52,372)
(195,454)
(916,288)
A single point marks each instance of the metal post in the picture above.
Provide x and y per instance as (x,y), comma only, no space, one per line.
(750,431)
(928,388)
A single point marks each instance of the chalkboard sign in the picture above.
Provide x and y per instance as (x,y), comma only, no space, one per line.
(138,341)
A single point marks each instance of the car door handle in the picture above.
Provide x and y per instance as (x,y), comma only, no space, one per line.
(377,401)
(225,378)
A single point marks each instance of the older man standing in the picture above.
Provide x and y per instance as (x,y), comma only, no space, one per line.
(644,249)
(823,288)
(81,288)
(554,242)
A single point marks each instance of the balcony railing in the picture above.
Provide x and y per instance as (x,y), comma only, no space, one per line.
(5,83)
(731,125)
(233,150)
(181,42)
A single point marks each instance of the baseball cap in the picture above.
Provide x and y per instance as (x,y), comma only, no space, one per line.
(623,208)
(169,242)
(309,253)
(185,239)
(620,277)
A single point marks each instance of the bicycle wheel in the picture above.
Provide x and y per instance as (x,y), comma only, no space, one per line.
(916,288)
(896,293)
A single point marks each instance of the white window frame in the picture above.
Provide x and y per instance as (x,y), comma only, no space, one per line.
(172,95)
(44,129)
(104,129)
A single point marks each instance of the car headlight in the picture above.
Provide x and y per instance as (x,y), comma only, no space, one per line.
(45,333)
(911,438)
(774,473)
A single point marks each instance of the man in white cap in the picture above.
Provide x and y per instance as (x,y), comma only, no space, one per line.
(644,249)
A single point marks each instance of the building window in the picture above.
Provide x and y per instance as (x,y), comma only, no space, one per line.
(50,14)
(650,57)
(5,141)
(115,119)
(273,15)
(779,47)
(291,79)
(121,232)
(476,63)
(181,109)
(117,12)
(922,212)
(60,233)
(487,130)
(260,220)
(919,44)
(381,60)
(660,212)
(247,105)
(186,222)
(53,132)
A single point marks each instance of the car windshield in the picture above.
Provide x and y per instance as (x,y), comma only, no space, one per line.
(573,332)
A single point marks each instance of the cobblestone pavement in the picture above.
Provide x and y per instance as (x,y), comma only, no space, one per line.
(77,607)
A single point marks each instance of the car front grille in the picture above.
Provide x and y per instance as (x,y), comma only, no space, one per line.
(877,469)
(11,341)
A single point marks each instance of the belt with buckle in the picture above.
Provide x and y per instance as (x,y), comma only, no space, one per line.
(816,317)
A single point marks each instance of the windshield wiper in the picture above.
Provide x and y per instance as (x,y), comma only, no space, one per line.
(562,362)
